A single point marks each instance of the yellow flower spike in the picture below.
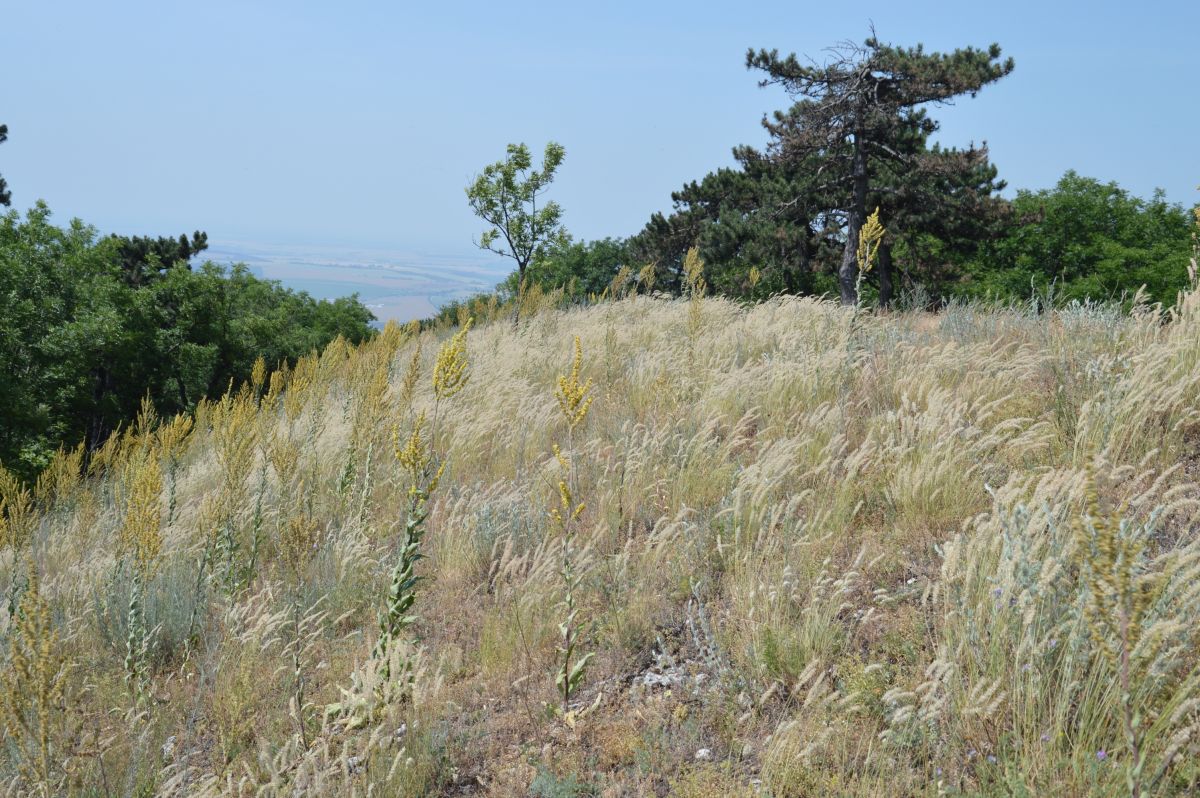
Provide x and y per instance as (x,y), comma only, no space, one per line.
(647,276)
(140,531)
(416,458)
(298,542)
(560,457)
(414,453)
(573,398)
(408,387)
(869,236)
(258,374)
(693,269)
(450,373)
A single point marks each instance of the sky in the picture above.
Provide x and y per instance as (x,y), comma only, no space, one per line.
(359,124)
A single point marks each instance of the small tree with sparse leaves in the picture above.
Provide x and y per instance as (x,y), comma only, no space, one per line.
(506,196)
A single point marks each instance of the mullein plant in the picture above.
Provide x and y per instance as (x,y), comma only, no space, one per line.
(34,695)
(264,415)
(867,252)
(693,269)
(57,484)
(299,541)
(17,521)
(370,385)
(574,402)
(1132,610)
(394,665)
(140,539)
(234,430)
(424,467)
(172,443)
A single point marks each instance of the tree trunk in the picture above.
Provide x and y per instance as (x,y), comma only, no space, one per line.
(96,430)
(885,275)
(520,294)
(848,272)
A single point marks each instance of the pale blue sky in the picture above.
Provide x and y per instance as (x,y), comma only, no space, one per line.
(359,123)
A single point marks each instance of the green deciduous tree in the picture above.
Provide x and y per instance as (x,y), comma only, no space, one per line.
(81,344)
(1087,239)
(581,268)
(506,196)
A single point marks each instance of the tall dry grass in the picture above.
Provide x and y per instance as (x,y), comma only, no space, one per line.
(802,551)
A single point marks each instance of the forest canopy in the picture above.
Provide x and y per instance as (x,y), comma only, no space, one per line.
(89,325)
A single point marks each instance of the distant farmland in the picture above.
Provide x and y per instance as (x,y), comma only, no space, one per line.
(393,284)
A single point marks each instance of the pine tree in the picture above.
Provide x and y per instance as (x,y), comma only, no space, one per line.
(855,109)
(5,194)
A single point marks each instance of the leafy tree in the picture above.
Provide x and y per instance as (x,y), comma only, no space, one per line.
(5,194)
(81,344)
(506,194)
(856,108)
(1087,239)
(582,268)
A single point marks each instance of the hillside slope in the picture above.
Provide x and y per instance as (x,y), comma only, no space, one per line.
(813,552)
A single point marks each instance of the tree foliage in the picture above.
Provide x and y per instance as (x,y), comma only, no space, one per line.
(144,259)
(5,194)
(1087,239)
(581,268)
(81,344)
(857,138)
(859,118)
(506,196)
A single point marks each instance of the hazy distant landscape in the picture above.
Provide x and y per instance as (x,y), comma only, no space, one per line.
(393,284)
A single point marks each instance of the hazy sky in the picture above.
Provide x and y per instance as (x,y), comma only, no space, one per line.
(359,123)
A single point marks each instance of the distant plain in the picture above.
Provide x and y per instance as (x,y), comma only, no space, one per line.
(393,284)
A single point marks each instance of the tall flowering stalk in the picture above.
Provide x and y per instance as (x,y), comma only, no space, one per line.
(298,542)
(172,442)
(869,238)
(140,535)
(33,689)
(697,287)
(1129,596)
(574,401)
(17,522)
(423,466)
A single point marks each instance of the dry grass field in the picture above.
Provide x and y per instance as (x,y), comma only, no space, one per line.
(784,550)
